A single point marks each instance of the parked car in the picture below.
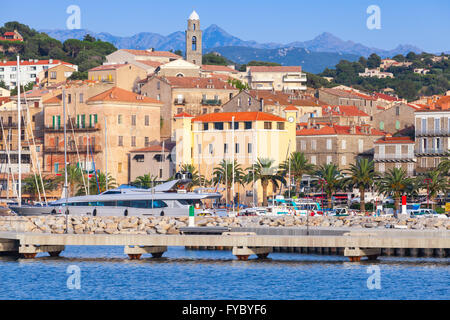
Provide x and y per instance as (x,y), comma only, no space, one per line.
(426,213)
(388,200)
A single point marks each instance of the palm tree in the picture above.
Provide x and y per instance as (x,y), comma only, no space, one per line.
(74,179)
(101,182)
(437,184)
(361,175)
(395,183)
(444,166)
(264,171)
(30,187)
(333,180)
(197,179)
(223,174)
(299,166)
(146,181)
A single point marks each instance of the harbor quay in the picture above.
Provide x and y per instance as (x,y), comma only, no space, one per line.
(355,237)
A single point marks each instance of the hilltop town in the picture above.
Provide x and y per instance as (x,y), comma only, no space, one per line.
(143,115)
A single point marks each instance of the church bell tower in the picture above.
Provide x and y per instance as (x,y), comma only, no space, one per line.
(194,40)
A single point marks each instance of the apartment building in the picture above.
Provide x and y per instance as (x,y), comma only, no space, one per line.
(55,75)
(432,125)
(206,140)
(125,76)
(396,118)
(341,115)
(341,145)
(277,78)
(103,126)
(376,73)
(395,152)
(29,70)
(155,160)
(336,97)
(193,95)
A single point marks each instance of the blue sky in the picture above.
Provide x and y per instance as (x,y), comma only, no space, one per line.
(425,24)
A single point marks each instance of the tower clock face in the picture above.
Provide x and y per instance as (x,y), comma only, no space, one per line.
(291,119)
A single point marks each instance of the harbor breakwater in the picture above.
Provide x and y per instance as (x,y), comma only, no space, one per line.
(172,225)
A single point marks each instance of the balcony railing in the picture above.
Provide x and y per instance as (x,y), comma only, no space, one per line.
(433,132)
(76,128)
(394,156)
(179,102)
(213,102)
(81,149)
(295,78)
(431,151)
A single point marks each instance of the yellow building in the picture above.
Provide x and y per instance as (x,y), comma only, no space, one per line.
(205,141)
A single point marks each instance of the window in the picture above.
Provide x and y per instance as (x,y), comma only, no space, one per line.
(147,141)
(225,148)
(313,144)
(56,167)
(424,124)
(205,126)
(211,149)
(53,75)
(69,98)
(329,159)
(119,167)
(119,119)
(133,141)
(249,148)
(133,120)
(313,160)
(236,126)
(381,167)
(344,144)
(83,121)
(147,120)
(120,142)
(199,148)
(158,85)
(381,125)
(268,125)
(249,101)
(194,43)
(343,161)
(236,148)
(218,125)
(437,125)
(247,125)
(360,145)
(139,158)
(302,145)
(160,173)
(397,125)
(158,97)
(280,125)
(81,98)
(239,102)
(397,111)
(328,144)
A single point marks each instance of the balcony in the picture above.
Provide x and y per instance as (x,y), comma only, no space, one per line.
(294,78)
(433,133)
(213,102)
(76,128)
(394,157)
(179,102)
(431,152)
(81,149)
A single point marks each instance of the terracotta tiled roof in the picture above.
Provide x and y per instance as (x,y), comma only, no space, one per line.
(238,116)
(283,99)
(212,68)
(121,95)
(386,97)
(183,115)
(444,102)
(155,148)
(197,82)
(153,53)
(336,129)
(346,111)
(108,67)
(275,68)
(395,140)
(4,100)
(32,63)
(55,99)
(291,108)
(154,64)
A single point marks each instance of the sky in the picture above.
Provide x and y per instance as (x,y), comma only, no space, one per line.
(425,24)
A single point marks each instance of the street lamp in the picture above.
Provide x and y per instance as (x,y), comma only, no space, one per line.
(428,181)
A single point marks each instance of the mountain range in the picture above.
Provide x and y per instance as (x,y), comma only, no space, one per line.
(327,49)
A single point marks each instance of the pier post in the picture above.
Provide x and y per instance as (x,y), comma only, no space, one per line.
(242,253)
(136,252)
(355,254)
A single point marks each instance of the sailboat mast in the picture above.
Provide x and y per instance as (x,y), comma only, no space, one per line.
(106,157)
(19,130)
(66,193)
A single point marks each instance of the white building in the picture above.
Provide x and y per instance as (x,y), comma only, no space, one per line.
(376,73)
(278,78)
(29,70)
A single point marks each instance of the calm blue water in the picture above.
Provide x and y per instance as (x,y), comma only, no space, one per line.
(106,273)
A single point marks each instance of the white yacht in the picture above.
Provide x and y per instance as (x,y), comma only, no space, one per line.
(168,199)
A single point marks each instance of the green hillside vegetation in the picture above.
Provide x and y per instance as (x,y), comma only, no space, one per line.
(87,53)
(215,59)
(406,83)
(243,67)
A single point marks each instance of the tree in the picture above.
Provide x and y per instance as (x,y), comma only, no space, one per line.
(373,61)
(361,175)
(444,166)
(437,184)
(395,183)
(215,59)
(238,84)
(3,85)
(223,174)
(146,181)
(32,185)
(299,166)
(102,183)
(89,38)
(333,180)
(74,179)
(264,171)
(197,179)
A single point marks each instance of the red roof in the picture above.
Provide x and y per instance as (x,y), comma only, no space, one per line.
(336,129)
(238,116)
(154,64)
(167,54)
(121,95)
(386,97)
(32,63)
(183,115)
(395,140)
(4,100)
(9,33)
(55,99)
(347,111)
(275,68)
(291,108)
